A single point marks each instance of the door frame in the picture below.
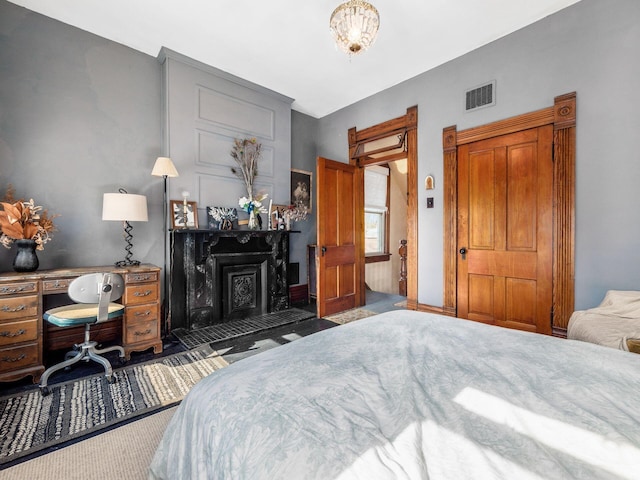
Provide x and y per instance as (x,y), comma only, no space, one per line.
(562,115)
(408,124)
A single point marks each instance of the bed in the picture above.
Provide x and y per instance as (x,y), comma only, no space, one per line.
(410,395)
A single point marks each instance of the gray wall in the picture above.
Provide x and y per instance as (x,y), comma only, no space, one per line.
(593,48)
(79,116)
(304,147)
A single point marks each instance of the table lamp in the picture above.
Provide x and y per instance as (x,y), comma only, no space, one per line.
(125,207)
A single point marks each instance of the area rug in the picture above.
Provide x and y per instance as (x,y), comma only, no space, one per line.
(238,328)
(30,422)
(350,315)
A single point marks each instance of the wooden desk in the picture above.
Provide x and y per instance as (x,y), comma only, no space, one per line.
(25,338)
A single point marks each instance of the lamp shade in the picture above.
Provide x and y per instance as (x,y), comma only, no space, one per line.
(164,167)
(124,207)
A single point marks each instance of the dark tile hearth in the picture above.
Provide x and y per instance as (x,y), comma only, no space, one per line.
(238,328)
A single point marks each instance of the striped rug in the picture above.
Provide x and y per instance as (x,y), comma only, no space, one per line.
(30,422)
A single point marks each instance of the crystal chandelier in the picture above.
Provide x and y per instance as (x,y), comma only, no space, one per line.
(354,25)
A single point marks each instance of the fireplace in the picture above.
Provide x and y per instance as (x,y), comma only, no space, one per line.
(223,275)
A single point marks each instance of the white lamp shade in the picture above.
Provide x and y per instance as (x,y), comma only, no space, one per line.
(124,207)
(164,167)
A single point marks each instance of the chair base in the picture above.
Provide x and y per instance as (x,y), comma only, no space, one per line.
(87,351)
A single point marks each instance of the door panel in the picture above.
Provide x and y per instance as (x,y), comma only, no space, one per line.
(505,228)
(340,250)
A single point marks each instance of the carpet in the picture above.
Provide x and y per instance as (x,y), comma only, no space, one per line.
(30,422)
(238,328)
(350,315)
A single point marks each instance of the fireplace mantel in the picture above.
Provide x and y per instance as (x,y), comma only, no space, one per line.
(222,275)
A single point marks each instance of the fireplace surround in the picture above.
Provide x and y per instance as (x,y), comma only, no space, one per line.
(223,275)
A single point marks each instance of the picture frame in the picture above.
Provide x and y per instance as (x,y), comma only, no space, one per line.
(221,218)
(177,214)
(275,214)
(301,184)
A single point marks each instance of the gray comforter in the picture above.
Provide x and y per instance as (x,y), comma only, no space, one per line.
(408,395)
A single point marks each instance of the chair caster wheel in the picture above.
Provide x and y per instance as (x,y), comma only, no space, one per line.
(45,391)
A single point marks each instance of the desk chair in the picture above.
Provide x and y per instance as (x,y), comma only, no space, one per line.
(93,294)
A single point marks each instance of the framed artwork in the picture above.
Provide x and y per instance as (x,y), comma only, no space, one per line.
(221,218)
(301,188)
(178,211)
(277,216)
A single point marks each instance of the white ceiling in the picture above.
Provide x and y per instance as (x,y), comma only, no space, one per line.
(286,46)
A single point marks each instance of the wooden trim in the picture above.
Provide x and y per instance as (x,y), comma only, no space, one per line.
(376,258)
(410,123)
(450,214)
(563,118)
(564,181)
(509,125)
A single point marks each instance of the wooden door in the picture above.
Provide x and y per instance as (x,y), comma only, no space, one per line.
(505,230)
(340,252)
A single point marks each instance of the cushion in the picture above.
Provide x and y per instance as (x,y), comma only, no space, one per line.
(79,314)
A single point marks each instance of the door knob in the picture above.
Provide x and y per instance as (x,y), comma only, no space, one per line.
(463,252)
(324,250)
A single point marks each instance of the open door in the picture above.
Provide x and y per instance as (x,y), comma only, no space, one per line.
(340,256)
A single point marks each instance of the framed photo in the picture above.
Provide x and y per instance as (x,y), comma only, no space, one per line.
(301,188)
(277,216)
(178,214)
(221,218)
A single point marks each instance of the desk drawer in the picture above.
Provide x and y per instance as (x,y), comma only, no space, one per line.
(141,313)
(18,357)
(19,307)
(18,288)
(142,332)
(18,332)
(141,277)
(140,294)
(59,285)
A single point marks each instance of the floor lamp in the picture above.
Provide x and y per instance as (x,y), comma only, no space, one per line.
(165,168)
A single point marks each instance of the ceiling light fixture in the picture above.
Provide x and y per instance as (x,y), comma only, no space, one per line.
(354,25)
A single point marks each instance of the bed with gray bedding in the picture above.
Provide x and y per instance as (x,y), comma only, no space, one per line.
(409,395)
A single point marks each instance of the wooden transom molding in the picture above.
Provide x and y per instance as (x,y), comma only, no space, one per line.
(562,115)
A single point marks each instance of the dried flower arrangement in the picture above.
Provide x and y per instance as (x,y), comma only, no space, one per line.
(21,219)
(246,153)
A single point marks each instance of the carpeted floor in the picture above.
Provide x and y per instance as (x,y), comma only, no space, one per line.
(30,422)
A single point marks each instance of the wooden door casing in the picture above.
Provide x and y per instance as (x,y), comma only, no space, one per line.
(505,227)
(562,117)
(338,236)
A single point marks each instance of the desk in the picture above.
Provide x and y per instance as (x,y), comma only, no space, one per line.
(25,337)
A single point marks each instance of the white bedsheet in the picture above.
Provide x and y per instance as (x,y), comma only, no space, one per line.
(408,395)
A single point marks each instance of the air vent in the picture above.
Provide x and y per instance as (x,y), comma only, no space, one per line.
(482,96)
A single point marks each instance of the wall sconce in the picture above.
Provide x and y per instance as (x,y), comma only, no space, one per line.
(429,183)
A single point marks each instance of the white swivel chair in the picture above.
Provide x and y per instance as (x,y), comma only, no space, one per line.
(94,294)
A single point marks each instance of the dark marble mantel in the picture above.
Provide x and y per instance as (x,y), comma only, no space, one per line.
(222,275)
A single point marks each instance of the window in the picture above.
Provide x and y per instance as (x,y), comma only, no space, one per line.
(376,208)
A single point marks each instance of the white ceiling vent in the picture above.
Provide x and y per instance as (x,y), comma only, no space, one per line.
(482,96)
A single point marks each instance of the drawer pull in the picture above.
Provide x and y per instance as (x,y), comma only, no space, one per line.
(14,359)
(6,333)
(146,332)
(13,289)
(143,294)
(143,314)
(19,308)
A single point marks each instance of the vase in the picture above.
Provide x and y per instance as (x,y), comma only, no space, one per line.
(26,259)
(253,221)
